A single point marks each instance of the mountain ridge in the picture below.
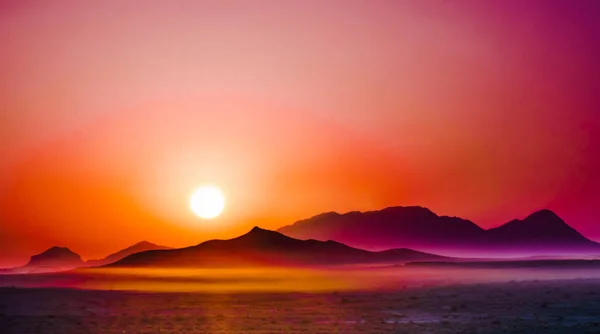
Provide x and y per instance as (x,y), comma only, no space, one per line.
(541,233)
(261,247)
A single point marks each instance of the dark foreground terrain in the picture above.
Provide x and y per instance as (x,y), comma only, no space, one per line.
(550,306)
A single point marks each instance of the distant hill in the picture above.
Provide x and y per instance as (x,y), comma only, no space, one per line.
(58,259)
(51,260)
(141,246)
(261,247)
(542,233)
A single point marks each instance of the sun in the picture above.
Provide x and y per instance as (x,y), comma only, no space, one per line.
(207,202)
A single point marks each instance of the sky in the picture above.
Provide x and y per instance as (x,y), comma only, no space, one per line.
(113,112)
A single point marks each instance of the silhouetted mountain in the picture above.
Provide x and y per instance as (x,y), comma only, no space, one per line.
(141,246)
(541,230)
(408,227)
(418,228)
(53,259)
(261,247)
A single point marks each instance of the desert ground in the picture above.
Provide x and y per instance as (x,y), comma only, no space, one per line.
(473,301)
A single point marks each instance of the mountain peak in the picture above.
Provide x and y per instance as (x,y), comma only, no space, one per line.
(56,250)
(257,229)
(144,243)
(262,237)
(542,219)
(326,215)
(415,211)
(545,215)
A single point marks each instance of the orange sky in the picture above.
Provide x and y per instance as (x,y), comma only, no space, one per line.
(112,112)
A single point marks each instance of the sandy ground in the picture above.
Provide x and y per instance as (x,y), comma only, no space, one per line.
(550,306)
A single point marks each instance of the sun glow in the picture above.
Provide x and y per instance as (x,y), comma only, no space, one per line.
(207,202)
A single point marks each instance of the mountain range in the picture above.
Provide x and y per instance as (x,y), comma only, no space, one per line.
(541,233)
(391,235)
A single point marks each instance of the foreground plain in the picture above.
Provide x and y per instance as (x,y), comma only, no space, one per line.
(532,306)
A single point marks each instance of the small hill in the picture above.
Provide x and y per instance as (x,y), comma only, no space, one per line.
(141,246)
(51,260)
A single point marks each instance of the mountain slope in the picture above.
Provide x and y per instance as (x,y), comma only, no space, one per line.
(141,246)
(261,247)
(418,228)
